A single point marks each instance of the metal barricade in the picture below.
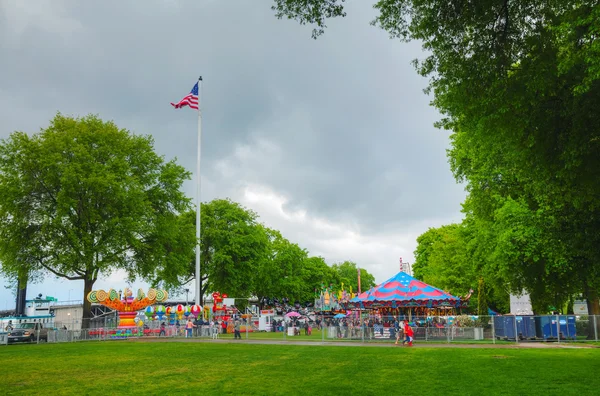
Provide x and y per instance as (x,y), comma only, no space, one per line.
(448,329)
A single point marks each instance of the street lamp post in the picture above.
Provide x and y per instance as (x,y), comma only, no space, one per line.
(187,291)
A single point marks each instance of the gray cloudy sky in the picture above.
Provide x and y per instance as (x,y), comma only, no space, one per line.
(330,141)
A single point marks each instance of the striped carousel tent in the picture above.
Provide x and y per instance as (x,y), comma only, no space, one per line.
(402,290)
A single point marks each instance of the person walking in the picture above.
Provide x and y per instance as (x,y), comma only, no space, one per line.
(189,327)
(199,323)
(397,330)
(236,330)
(224,326)
(214,329)
(408,332)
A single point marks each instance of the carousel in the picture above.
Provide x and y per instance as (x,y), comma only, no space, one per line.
(404,296)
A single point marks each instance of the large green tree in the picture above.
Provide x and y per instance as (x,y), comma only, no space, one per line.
(289,272)
(243,258)
(347,273)
(83,198)
(426,246)
(447,264)
(178,244)
(316,272)
(281,272)
(519,251)
(233,247)
(445,257)
(517,83)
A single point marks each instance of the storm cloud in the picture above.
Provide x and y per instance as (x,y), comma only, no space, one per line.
(331,141)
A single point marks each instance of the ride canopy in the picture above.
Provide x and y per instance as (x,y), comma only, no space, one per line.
(402,290)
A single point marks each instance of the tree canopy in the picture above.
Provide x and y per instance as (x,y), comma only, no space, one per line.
(348,275)
(243,258)
(233,247)
(84,198)
(445,257)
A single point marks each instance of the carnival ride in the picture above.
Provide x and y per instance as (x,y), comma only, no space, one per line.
(222,312)
(330,302)
(378,310)
(126,305)
(219,309)
(130,310)
(403,294)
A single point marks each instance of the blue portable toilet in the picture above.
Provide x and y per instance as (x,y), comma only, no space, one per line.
(567,327)
(499,327)
(526,327)
(543,325)
(504,327)
(529,323)
(547,327)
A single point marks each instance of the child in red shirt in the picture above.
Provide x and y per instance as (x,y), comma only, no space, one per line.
(408,332)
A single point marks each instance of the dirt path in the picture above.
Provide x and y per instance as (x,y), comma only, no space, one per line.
(521,345)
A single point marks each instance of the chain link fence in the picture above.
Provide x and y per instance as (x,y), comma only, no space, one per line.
(363,328)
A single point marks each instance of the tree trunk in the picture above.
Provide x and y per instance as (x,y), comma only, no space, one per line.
(593,305)
(570,306)
(201,293)
(21,297)
(482,305)
(88,284)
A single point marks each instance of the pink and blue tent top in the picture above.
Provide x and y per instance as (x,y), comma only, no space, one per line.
(402,290)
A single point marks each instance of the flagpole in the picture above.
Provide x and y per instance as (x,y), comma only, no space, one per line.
(198,190)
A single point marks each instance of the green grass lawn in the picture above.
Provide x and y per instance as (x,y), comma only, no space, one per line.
(152,368)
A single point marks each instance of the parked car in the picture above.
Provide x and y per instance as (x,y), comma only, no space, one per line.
(28,332)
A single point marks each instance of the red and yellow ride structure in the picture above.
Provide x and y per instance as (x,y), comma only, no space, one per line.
(127,305)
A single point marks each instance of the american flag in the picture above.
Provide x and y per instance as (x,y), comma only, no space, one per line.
(190,99)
